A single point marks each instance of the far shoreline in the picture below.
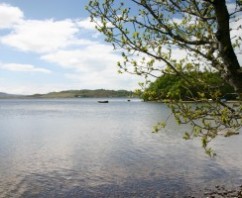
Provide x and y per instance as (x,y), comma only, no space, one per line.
(84,93)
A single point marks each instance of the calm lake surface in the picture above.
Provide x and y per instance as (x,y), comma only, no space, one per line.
(80,148)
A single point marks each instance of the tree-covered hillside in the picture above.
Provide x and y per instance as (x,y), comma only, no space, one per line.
(85,93)
(201,85)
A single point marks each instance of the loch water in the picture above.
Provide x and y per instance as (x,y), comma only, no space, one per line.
(82,148)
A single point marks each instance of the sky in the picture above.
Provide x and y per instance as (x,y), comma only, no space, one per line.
(51,45)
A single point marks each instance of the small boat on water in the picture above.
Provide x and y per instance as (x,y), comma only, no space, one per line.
(102,101)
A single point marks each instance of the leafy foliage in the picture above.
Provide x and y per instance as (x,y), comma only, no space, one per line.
(203,85)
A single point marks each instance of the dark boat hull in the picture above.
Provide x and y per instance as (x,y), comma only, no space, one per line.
(104,101)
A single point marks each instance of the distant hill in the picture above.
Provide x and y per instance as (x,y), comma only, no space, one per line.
(7,96)
(85,93)
(3,94)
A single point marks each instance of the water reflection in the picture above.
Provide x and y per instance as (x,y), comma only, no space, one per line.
(63,148)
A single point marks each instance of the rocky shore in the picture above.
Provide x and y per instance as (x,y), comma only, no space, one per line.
(223,192)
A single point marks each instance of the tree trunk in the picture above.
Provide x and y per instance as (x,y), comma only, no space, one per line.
(232,72)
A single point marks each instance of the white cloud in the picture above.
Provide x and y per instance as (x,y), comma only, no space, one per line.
(9,15)
(105,79)
(231,7)
(86,24)
(42,36)
(90,25)
(15,67)
(93,67)
(94,57)
(34,87)
(235,33)
(29,87)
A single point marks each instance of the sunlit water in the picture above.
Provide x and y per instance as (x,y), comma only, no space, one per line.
(81,148)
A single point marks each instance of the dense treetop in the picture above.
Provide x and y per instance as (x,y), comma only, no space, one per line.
(203,85)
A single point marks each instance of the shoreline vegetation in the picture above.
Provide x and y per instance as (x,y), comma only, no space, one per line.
(84,93)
